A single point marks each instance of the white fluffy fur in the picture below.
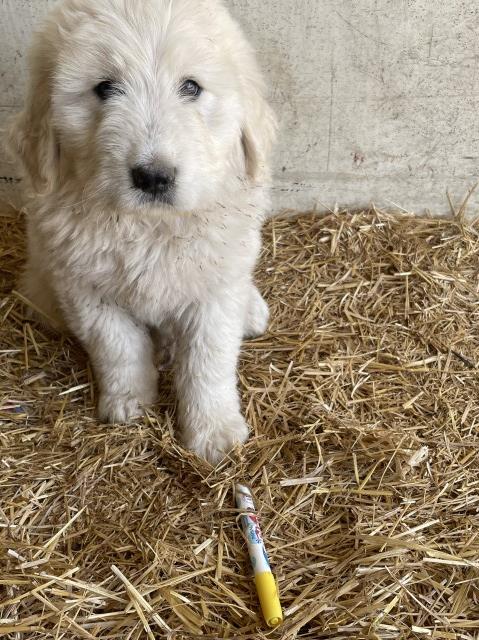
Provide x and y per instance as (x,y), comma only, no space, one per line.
(121,274)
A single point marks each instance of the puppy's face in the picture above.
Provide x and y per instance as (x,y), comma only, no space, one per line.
(150,104)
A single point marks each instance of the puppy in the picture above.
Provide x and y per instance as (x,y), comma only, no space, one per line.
(144,144)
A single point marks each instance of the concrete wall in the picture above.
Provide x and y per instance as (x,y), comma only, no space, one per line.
(377,99)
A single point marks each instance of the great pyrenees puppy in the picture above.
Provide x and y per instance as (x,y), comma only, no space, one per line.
(144,142)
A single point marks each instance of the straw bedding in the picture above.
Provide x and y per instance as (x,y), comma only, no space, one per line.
(363,400)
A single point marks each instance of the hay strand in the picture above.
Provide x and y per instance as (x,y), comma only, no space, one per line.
(363,401)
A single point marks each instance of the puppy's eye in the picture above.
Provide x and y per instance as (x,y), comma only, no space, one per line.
(107,89)
(190,89)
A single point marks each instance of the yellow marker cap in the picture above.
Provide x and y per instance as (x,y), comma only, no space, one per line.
(269,598)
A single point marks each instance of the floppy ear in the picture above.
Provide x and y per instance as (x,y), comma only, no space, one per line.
(258,135)
(31,137)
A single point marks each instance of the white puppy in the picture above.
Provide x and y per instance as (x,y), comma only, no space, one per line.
(145,141)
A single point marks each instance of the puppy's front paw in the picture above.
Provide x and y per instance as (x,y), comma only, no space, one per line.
(216,436)
(118,409)
(125,398)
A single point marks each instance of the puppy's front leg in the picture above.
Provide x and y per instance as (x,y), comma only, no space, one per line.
(121,352)
(208,399)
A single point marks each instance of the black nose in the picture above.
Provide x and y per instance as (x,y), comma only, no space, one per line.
(155,181)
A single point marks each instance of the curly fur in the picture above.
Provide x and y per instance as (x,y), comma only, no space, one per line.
(120,272)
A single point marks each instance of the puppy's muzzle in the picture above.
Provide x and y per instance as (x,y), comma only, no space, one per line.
(156,182)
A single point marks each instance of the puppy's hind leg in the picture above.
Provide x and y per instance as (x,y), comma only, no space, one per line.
(164,342)
(257,314)
(42,303)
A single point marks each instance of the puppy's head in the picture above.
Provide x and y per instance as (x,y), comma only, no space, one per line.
(157,103)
